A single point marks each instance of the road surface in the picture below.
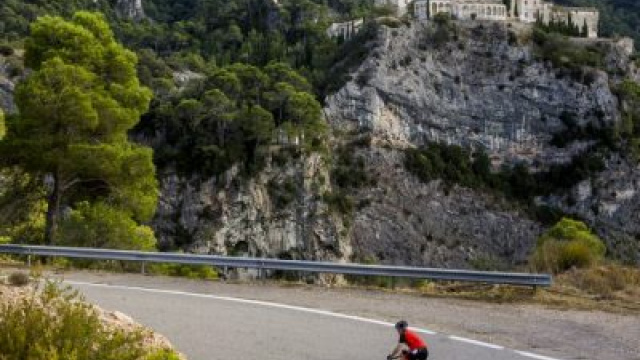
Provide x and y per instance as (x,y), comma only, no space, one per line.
(211,327)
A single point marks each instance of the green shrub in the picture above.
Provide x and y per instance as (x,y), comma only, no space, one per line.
(54,323)
(102,226)
(566,245)
(163,355)
(18,278)
(350,172)
(282,194)
(189,271)
(565,53)
(6,50)
(340,202)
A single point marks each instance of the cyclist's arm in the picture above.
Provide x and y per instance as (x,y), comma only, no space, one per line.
(397,350)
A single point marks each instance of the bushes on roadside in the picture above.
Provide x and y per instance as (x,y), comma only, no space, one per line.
(54,323)
(188,271)
(568,244)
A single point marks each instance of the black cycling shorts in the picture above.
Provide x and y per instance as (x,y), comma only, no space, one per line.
(421,354)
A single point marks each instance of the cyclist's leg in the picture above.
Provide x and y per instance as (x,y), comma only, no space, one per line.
(422,355)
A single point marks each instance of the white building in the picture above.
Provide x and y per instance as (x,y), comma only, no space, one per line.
(528,11)
(345,30)
(462,9)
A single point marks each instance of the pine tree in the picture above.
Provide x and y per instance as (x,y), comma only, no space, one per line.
(75,110)
(2,126)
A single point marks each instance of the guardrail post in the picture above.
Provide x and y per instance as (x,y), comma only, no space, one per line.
(143,267)
(262,272)
(29,261)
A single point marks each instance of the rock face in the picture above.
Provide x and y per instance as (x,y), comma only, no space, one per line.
(476,91)
(481,89)
(408,222)
(234,216)
(130,9)
(7,87)
(610,203)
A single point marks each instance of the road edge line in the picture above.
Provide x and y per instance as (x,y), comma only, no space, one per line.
(305,310)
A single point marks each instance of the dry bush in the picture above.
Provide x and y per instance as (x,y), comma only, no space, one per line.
(18,278)
(603,281)
(569,244)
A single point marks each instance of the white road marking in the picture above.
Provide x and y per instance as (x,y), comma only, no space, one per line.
(535,356)
(253,302)
(302,309)
(476,342)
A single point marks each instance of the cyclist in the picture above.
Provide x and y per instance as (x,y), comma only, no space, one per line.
(417,347)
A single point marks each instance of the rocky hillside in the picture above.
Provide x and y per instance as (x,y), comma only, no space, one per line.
(485,86)
(541,117)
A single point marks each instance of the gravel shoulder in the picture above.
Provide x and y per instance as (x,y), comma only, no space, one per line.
(565,334)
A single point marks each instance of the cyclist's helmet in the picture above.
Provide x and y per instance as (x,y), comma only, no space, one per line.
(402,325)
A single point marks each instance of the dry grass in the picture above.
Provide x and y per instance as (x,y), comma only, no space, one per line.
(610,288)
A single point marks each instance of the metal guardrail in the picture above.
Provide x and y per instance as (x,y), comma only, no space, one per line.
(521,279)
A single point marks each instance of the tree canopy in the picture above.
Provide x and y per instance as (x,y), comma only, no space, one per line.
(234,115)
(75,111)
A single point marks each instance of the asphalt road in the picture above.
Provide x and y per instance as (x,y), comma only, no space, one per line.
(208,327)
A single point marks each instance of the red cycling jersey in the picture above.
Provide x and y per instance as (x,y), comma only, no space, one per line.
(412,340)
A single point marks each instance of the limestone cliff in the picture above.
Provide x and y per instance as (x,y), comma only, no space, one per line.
(482,88)
(275,214)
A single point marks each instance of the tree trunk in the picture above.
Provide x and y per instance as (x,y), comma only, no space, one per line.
(53,211)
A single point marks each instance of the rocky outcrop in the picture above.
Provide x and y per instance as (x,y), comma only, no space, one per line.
(609,202)
(475,90)
(408,222)
(130,9)
(276,214)
(7,86)
(481,89)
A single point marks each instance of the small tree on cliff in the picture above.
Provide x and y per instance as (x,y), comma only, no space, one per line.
(585,29)
(75,110)
(2,128)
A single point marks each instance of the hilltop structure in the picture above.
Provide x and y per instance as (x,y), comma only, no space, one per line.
(345,30)
(585,20)
(529,11)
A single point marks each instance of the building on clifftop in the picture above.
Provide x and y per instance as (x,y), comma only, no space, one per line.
(462,9)
(585,19)
(345,30)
